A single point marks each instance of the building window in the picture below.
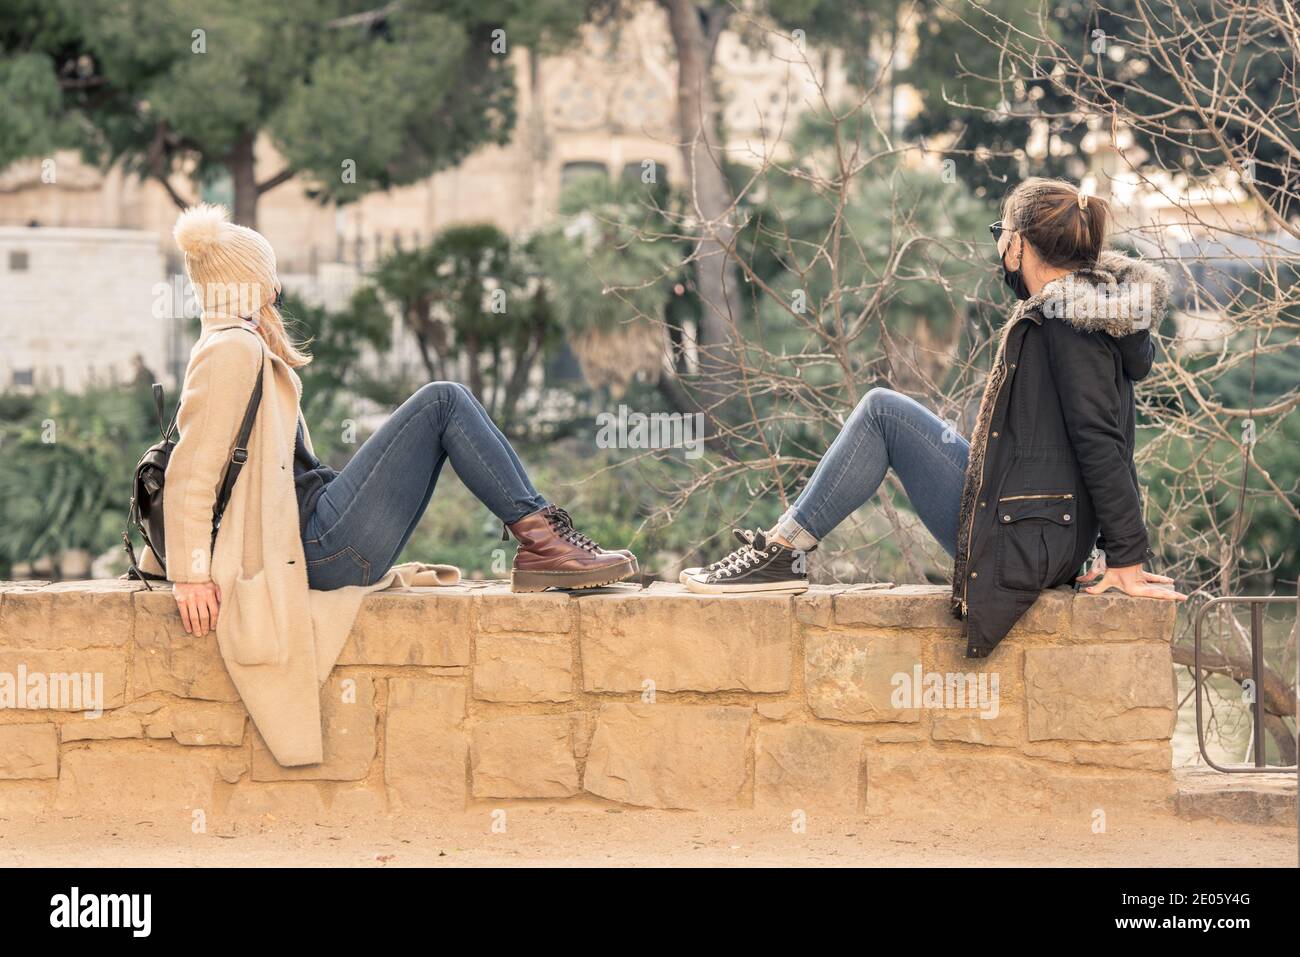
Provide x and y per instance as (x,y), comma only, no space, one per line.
(570,173)
(24,377)
(17,260)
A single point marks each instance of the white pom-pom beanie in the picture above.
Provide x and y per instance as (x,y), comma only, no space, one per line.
(232,268)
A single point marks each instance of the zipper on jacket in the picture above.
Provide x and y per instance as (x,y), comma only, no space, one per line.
(970,526)
(970,530)
(1020,498)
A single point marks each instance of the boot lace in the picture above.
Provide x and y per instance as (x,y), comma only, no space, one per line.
(562,523)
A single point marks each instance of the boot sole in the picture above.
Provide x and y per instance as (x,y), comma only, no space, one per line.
(588,578)
(752,588)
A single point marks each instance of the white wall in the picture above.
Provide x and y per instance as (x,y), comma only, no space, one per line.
(83,308)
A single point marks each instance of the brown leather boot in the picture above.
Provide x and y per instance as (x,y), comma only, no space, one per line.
(554,554)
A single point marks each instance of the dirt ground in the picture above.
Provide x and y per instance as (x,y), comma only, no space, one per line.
(550,836)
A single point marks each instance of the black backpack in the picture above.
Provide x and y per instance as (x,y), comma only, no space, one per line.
(145,514)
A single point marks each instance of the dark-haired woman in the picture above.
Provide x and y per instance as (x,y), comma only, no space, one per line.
(1048,474)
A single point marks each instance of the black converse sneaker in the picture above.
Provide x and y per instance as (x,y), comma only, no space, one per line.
(761,566)
(743,535)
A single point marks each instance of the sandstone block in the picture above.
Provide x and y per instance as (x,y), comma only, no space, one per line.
(28,751)
(416,626)
(86,614)
(903,606)
(1121,692)
(205,723)
(806,767)
(1135,756)
(501,610)
(1050,615)
(102,729)
(425,749)
(988,695)
(670,756)
(685,643)
(1268,799)
(905,780)
(167,659)
(87,680)
(524,756)
(851,677)
(1007,730)
(522,668)
(1114,617)
(162,784)
(815,606)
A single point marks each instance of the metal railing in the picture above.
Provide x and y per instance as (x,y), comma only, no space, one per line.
(1256,603)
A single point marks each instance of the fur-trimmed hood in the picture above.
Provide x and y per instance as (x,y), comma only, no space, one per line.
(1120,296)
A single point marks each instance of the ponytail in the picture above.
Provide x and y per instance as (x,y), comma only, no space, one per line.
(1065,225)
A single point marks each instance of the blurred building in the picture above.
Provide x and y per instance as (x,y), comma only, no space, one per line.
(82,307)
(607,106)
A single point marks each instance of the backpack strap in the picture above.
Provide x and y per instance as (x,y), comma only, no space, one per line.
(134,571)
(239,454)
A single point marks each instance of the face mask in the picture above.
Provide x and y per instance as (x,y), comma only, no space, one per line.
(1015,279)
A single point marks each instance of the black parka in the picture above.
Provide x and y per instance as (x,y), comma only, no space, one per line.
(1051,473)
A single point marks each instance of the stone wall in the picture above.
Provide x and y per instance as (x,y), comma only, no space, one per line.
(447,699)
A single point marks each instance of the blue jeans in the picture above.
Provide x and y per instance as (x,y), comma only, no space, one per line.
(887,430)
(366,515)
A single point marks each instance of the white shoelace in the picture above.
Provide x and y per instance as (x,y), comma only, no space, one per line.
(748,535)
(739,560)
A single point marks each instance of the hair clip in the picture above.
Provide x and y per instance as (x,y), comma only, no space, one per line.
(1083,200)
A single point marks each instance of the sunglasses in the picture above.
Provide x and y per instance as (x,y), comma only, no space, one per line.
(997,229)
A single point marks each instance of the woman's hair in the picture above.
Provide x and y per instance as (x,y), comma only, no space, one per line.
(270,323)
(1066,226)
(233,271)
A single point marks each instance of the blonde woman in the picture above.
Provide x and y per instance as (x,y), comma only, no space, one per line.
(318,529)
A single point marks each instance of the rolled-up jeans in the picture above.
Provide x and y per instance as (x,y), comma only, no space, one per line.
(367,513)
(886,430)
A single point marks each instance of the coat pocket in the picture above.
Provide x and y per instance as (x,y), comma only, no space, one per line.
(1035,539)
(252,635)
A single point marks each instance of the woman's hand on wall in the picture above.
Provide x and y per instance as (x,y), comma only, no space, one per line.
(198,603)
(1131,580)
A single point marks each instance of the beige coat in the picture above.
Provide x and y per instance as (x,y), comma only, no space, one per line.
(279,639)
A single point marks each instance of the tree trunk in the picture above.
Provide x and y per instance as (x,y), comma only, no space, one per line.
(695,29)
(526,354)
(475,368)
(243,176)
(494,407)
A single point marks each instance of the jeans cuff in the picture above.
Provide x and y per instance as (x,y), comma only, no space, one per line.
(794,533)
